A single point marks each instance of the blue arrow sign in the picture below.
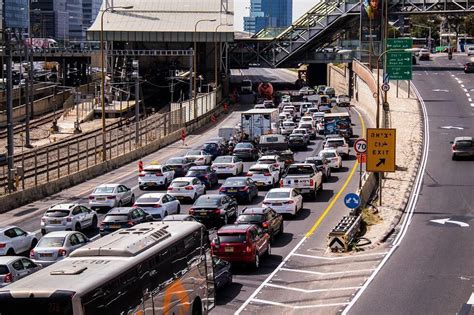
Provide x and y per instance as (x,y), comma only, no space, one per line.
(352,200)
(386,78)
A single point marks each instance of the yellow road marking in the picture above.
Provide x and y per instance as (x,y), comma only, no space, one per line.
(331,204)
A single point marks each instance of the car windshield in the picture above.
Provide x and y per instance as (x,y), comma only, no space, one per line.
(208,201)
(179,183)
(271,139)
(196,172)
(148,200)
(278,194)
(299,131)
(335,143)
(235,182)
(116,218)
(315,161)
(223,159)
(243,145)
(104,190)
(176,161)
(328,154)
(250,218)
(232,238)
(194,152)
(4,270)
(463,144)
(51,242)
(266,161)
(306,125)
(57,213)
(258,170)
(209,146)
(300,170)
(288,124)
(158,170)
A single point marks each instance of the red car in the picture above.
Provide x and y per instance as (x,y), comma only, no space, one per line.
(244,243)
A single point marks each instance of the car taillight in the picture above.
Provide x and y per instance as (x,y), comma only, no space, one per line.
(69,219)
(8,278)
(62,252)
(248,249)
(134,206)
(246,188)
(32,253)
(265,224)
(101,225)
(157,206)
(266,174)
(249,174)
(206,177)
(43,220)
(281,183)
(191,211)
(275,164)
(141,175)
(288,202)
(311,182)
(2,245)
(217,211)
(266,203)
(189,187)
(111,197)
(222,189)
(200,159)
(91,197)
(158,174)
(130,223)
(453,147)
(170,188)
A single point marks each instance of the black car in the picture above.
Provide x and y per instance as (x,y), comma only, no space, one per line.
(469,67)
(222,273)
(245,150)
(266,218)
(321,164)
(119,218)
(212,209)
(213,148)
(205,174)
(297,142)
(180,165)
(242,188)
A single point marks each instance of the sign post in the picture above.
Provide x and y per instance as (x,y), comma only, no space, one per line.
(360,146)
(399,64)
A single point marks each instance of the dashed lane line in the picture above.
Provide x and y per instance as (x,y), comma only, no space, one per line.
(309,291)
(340,258)
(319,273)
(298,307)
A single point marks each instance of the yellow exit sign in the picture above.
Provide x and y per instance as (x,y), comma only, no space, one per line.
(381,149)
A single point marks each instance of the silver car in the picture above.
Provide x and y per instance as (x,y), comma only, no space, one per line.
(111,196)
(68,217)
(56,246)
(13,268)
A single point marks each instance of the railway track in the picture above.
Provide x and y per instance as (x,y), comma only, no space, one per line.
(43,120)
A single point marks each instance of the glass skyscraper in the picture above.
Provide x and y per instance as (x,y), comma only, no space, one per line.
(268,14)
(15,13)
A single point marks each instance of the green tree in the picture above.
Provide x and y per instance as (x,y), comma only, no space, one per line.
(469,25)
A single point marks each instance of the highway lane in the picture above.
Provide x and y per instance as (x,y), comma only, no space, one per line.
(245,281)
(263,75)
(432,270)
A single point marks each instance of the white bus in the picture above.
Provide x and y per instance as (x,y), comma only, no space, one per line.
(151,268)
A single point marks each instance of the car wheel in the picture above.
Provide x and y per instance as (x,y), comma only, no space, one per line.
(178,210)
(77,227)
(226,219)
(166,183)
(256,262)
(249,198)
(194,198)
(142,187)
(269,250)
(94,222)
(166,214)
(43,232)
(33,243)
(119,204)
(10,252)
(282,228)
(132,200)
(453,157)
(321,187)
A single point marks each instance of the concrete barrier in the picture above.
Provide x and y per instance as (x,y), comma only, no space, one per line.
(17,199)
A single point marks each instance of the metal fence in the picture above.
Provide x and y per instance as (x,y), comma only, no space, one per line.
(61,159)
(204,104)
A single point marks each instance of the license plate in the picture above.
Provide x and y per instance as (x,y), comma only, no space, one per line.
(46,255)
(229,249)
(179,197)
(232,190)
(55,222)
(259,184)
(115,226)
(203,214)
(276,204)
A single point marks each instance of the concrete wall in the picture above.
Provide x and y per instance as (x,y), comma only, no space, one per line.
(338,79)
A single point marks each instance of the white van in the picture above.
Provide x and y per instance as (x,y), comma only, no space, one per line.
(246,87)
(470,50)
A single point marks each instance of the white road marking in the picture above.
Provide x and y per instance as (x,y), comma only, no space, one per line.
(465,90)
(310,291)
(452,75)
(462,85)
(471,300)
(472,104)
(326,273)
(297,307)
(468,95)
(469,99)
(338,258)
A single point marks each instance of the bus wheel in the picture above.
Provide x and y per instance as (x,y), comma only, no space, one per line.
(197,307)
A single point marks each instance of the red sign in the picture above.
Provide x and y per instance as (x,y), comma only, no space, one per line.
(361,158)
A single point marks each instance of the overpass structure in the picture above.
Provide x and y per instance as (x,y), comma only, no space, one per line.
(322,24)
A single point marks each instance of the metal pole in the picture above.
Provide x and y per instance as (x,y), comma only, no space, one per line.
(102,101)
(32,87)
(137,109)
(10,152)
(27,101)
(191,69)
(195,71)
(397,88)
(408,82)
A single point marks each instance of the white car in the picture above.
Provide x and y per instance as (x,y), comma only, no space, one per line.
(339,144)
(284,116)
(155,176)
(264,175)
(320,127)
(56,246)
(199,157)
(111,196)
(275,160)
(333,158)
(14,240)
(303,132)
(309,128)
(307,119)
(228,165)
(158,205)
(284,200)
(287,127)
(186,187)
(68,217)
(289,109)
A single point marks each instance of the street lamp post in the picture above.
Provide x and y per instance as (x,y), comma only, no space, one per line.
(195,65)
(216,66)
(102,58)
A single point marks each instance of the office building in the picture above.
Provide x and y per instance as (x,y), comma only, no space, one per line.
(268,14)
(15,14)
(75,18)
(50,19)
(90,9)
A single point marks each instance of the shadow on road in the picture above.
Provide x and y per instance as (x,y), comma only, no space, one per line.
(283,240)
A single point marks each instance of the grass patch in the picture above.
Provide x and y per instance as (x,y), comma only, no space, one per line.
(369,217)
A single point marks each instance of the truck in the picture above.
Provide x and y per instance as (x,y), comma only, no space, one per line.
(338,123)
(273,142)
(257,122)
(305,177)
(41,43)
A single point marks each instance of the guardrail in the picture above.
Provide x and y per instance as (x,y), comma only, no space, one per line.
(72,155)
(345,232)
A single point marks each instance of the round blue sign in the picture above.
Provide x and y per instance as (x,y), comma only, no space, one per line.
(352,200)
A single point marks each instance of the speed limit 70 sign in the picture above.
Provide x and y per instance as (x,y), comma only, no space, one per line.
(360,146)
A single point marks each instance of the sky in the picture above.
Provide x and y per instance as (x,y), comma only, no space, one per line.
(299,8)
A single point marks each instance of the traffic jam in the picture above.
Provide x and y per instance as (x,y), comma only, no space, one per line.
(242,186)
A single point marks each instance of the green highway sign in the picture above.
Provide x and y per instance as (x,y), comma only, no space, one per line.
(399,63)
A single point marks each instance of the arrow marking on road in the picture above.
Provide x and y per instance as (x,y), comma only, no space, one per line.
(381,162)
(448,220)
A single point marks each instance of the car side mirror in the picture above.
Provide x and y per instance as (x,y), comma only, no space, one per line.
(217,242)
(452,142)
